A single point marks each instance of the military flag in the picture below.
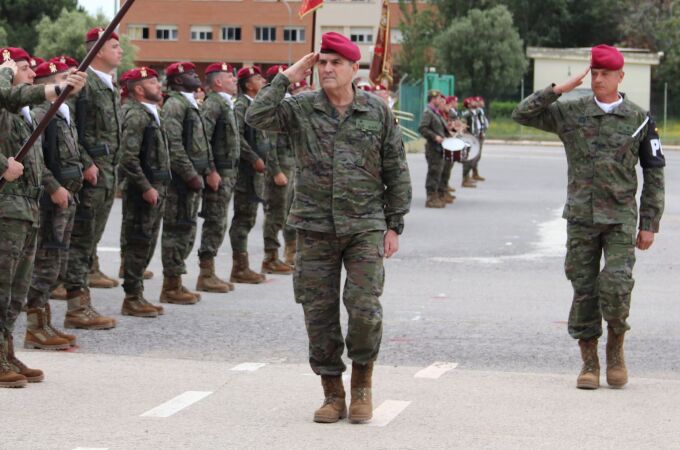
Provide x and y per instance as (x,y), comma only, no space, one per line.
(309,6)
(381,66)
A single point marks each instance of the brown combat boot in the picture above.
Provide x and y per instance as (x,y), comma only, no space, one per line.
(97,279)
(241,273)
(81,314)
(173,292)
(208,281)
(447,198)
(589,378)
(450,189)
(59,292)
(433,201)
(137,306)
(38,333)
(468,183)
(361,406)
(476,176)
(9,378)
(272,264)
(32,375)
(289,255)
(334,407)
(69,337)
(617,374)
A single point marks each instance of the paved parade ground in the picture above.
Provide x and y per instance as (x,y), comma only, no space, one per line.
(475,351)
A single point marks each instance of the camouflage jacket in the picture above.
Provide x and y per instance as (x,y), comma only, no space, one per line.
(222,130)
(351,172)
(431,126)
(98,120)
(602,152)
(280,158)
(254,143)
(144,145)
(61,152)
(190,153)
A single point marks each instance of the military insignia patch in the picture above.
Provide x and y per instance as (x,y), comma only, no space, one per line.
(143,72)
(180,68)
(225,67)
(6,55)
(62,60)
(53,68)
(251,71)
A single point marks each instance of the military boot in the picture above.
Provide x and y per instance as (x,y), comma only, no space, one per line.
(289,255)
(617,374)
(334,407)
(446,198)
(433,201)
(272,264)
(589,378)
(32,375)
(81,314)
(97,279)
(137,306)
(59,292)
(9,378)
(173,292)
(241,273)
(468,183)
(451,189)
(476,176)
(69,337)
(361,406)
(38,333)
(207,280)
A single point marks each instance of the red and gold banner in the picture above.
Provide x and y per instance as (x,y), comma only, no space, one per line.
(309,6)
(381,66)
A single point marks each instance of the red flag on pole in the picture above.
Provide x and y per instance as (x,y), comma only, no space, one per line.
(381,66)
(309,6)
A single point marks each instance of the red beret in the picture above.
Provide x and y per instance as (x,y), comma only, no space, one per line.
(139,73)
(451,98)
(333,42)
(248,71)
(299,84)
(35,61)
(379,87)
(179,68)
(71,62)
(467,101)
(274,70)
(17,54)
(605,57)
(47,69)
(94,34)
(219,67)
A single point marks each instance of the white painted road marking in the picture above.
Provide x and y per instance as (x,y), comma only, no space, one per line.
(90,448)
(386,413)
(177,404)
(436,370)
(108,249)
(248,367)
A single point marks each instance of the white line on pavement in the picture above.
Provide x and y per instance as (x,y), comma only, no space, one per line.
(108,249)
(436,370)
(248,367)
(177,404)
(387,411)
(90,448)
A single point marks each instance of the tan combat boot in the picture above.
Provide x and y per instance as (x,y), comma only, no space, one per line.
(468,183)
(241,273)
(589,378)
(289,255)
(9,378)
(272,264)
(173,292)
(450,189)
(97,279)
(32,375)
(137,306)
(81,314)
(446,198)
(69,337)
(476,176)
(208,281)
(617,374)
(361,406)
(59,292)
(334,407)
(38,333)
(433,201)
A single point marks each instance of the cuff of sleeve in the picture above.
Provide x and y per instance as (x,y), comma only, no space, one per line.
(395,223)
(189,175)
(3,164)
(549,94)
(144,185)
(281,79)
(251,157)
(51,185)
(648,224)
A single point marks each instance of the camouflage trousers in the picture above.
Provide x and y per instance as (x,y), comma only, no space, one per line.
(472,165)
(179,229)
(92,213)
(438,171)
(246,202)
(318,267)
(140,229)
(278,200)
(51,256)
(599,293)
(446,176)
(215,211)
(17,248)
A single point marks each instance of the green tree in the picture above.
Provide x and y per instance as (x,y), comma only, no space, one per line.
(3,37)
(484,51)
(418,30)
(20,17)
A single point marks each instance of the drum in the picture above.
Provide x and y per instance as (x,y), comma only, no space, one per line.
(473,146)
(454,149)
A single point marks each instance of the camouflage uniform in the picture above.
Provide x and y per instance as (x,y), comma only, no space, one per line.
(477,125)
(602,152)
(278,199)
(221,128)
(432,125)
(190,156)
(98,119)
(146,164)
(351,184)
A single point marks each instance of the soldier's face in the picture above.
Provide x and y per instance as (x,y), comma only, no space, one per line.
(151,90)
(255,83)
(605,83)
(190,80)
(228,82)
(111,53)
(25,74)
(335,71)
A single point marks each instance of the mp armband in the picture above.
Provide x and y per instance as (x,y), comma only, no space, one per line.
(651,153)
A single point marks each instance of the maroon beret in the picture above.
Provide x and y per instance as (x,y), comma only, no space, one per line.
(219,67)
(47,69)
(248,71)
(35,61)
(179,68)
(139,73)
(467,101)
(273,70)
(16,54)
(94,34)
(605,57)
(71,62)
(451,99)
(333,42)
(379,87)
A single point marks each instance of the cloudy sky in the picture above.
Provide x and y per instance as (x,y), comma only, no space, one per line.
(94,6)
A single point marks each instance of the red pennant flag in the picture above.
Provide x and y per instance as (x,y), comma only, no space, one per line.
(309,6)
(381,66)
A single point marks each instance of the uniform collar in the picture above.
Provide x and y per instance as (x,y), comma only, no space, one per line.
(360,102)
(623,110)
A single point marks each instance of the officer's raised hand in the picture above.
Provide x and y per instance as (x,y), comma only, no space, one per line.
(571,84)
(301,69)
(14,169)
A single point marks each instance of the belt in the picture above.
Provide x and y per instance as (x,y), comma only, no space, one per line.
(200,164)
(161,175)
(99,150)
(231,164)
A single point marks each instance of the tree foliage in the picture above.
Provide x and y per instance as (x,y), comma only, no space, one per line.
(20,17)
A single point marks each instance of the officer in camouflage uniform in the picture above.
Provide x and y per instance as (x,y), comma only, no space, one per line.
(249,190)
(605,136)
(222,130)
(433,128)
(19,200)
(146,166)
(278,196)
(191,160)
(352,189)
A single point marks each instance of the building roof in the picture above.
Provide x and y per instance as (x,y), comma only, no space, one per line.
(631,55)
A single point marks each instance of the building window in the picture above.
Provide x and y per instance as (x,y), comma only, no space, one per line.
(166,32)
(230,33)
(294,34)
(265,34)
(138,32)
(361,35)
(201,33)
